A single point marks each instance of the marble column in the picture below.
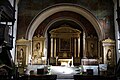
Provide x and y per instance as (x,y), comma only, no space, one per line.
(75,47)
(79,47)
(84,53)
(55,47)
(51,47)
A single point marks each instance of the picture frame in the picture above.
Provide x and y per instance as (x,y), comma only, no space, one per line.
(64,44)
(21,55)
(37,50)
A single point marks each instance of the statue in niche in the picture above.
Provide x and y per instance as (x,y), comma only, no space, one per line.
(109,56)
(20,57)
(37,54)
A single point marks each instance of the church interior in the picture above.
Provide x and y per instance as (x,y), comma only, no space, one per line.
(59,39)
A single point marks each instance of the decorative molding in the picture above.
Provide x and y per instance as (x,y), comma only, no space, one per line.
(108,42)
(91,37)
(23,41)
(38,37)
(65,30)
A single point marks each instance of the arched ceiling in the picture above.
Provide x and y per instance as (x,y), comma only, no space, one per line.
(28,9)
(42,16)
(69,18)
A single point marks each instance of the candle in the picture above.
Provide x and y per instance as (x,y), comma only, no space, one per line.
(72,62)
(56,59)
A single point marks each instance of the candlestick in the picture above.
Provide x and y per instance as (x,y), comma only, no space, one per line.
(56,60)
(72,62)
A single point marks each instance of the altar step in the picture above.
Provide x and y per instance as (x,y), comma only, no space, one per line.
(64,76)
(64,72)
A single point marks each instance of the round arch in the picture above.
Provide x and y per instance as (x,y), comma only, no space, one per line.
(63,7)
(65,18)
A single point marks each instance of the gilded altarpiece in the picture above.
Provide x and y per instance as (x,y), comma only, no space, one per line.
(38,56)
(22,52)
(64,45)
(109,56)
(23,47)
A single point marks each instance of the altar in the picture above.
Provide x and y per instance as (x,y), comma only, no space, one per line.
(65,62)
(89,61)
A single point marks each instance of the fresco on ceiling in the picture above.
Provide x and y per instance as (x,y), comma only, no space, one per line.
(102,9)
(98,7)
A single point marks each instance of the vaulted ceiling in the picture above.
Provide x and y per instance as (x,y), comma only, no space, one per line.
(29,9)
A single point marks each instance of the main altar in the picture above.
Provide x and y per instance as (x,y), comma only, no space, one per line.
(68,50)
(65,48)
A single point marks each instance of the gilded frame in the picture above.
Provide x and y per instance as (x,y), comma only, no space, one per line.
(64,44)
(21,55)
(38,50)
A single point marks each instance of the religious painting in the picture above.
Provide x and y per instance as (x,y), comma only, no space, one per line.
(64,44)
(21,55)
(37,53)
(109,50)
(91,50)
(109,56)
(92,47)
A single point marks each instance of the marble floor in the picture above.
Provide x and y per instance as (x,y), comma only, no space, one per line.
(63,72)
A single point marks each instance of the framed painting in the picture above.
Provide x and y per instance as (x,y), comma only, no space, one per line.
(37,53)
(37,50)
(64,44)
(21,55)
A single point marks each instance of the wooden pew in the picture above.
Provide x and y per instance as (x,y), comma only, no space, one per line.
(38,77)
(94,77)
